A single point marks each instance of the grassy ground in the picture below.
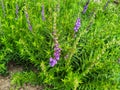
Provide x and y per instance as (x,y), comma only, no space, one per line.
(89,58)
(5,80)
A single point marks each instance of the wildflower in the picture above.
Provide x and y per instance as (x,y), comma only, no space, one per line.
(56,57)
(43,13)
(86,6)
(17,8)
(57,50)
(28,21)
(52,62)
(77,25)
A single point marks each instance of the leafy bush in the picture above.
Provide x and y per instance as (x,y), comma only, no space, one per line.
(89,57)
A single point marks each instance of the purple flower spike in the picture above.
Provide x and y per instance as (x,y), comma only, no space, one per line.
(43,13)
(52,62)
(57,52)
(56,57)
(86,6)
(57,49)
(77,25)
(17,8)
(28,21)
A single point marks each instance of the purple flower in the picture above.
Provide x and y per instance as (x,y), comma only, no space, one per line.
(77,25)
(56,57)
(28,21)
(57,54)
(43,13)
(57,50)
(52,62)
(86,6)
(17,8)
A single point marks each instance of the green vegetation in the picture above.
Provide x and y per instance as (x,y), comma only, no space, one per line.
(89,58)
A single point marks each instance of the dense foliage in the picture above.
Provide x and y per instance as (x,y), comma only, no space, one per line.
(86,33)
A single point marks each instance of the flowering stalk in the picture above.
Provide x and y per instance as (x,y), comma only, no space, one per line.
(57,50)
(28,21)
(56,57)
(43,13)
(58,7)
(77,25)
(17,8)
(86,6)
(93,14)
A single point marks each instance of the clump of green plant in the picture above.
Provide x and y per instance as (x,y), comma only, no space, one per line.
(72,44)
(20,78)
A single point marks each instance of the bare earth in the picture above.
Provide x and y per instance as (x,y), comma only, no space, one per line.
(5,81)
